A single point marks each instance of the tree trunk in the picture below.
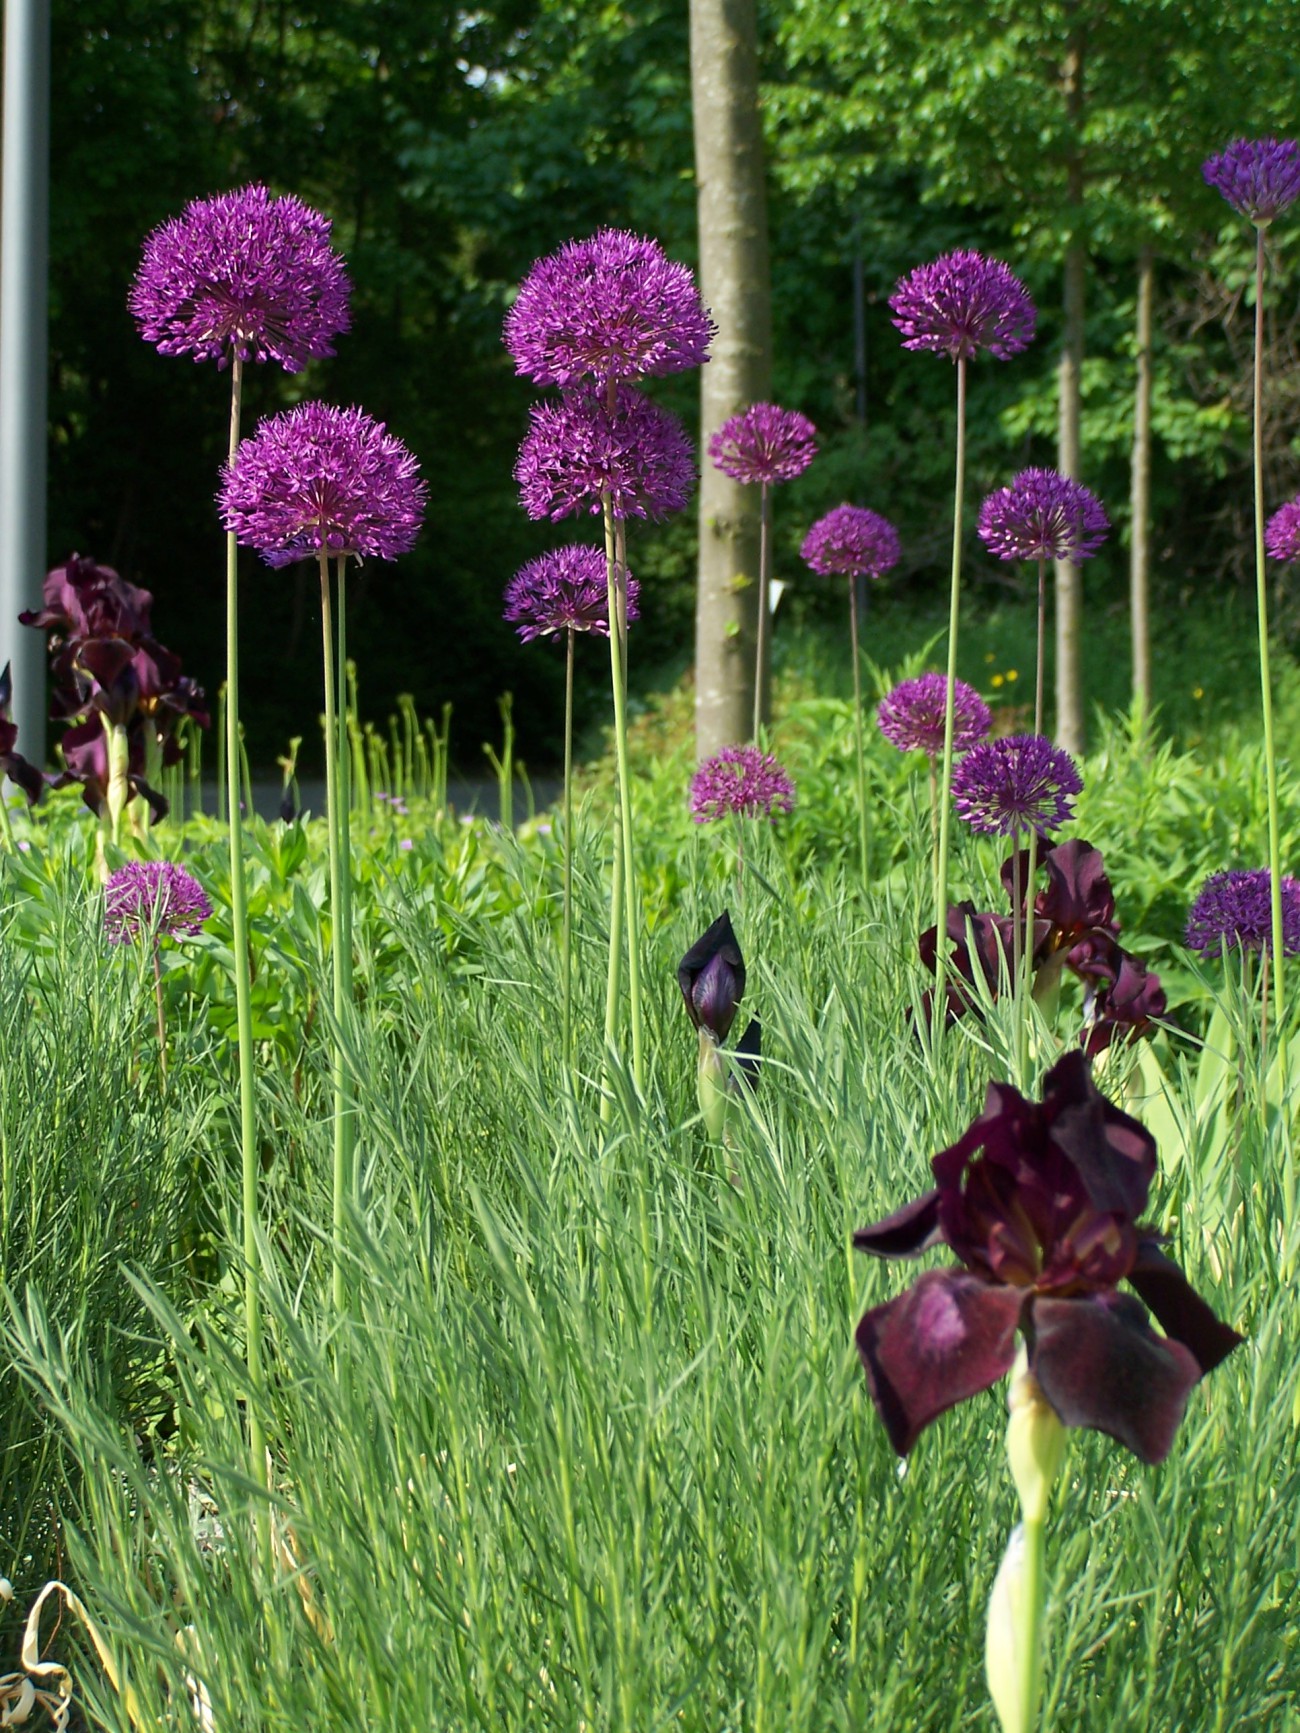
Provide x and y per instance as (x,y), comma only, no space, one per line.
(734,281)
(1069,578)
(1140,498)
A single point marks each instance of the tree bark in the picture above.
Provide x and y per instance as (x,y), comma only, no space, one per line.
(1140,497)
(1069,579)
(735,283)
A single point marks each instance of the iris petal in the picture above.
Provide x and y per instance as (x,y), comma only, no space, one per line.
(1179,1309)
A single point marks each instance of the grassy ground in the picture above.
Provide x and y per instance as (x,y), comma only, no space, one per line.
(592,1448)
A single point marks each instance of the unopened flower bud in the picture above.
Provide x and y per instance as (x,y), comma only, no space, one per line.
(1002,1637)
(712,1086)
(1035,1442)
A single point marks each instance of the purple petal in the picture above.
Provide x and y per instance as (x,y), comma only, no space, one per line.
(905,1234)
(1179,1309)
(1100,1364)
(948,1337)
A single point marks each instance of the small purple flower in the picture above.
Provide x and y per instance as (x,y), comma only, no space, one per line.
(851,542)
(153,897)
(564,591)
(1043,515)
(613,306)
(1040,1204)
(321,477)
(579,449)
(911,717)
(1282,536)
(1259,177)
(962,303)
(242,274)
(1012,786)
(1236,909)
(743,780)
(764,444)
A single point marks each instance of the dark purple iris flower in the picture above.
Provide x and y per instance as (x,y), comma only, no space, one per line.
(712,978)
(962,303)
(12,764)
(1040,1203)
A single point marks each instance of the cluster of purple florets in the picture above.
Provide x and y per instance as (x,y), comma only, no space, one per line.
(153,897)
(912,716)
(740,782)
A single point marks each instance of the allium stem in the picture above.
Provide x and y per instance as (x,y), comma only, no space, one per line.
(1033,1597)
(566,943)
(616,573)
(1040,656)
(347,1107)
(158,1007)
(764,584)
(945,803)
(1266,697)
(341,1177)
(249,1154)
(858,749)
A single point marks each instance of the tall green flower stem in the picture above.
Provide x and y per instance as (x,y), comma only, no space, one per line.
(158,1011)
(345,1107)
(249,1153)
(566,941)
(945,804)
(1025,979)
(616,579)
(764,586)
(342,1178)
(858,748)
(1266,697)
(1040,655)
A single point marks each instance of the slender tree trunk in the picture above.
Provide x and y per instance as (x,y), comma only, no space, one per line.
(1140,552)
(734,280)
(1069,577)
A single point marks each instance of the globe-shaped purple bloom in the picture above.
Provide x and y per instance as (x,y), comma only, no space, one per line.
(764,444)
(153,896)
(579,449)
(613,306)
(1235,909)
(1282,536)
(740,780)
(1043,515)
(1011,786)
(318,477)
(962,303)
(851,542)
(911,717)
(242,274)
(1259,177)
(564,591)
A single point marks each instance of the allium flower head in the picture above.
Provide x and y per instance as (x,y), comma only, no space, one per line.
(1282,536)
(318,477)
(153,896)
(764,444)
(962,303)
(242,274)
(911,717)
(578,449)
(1012,786)
(1259,177)
(743,780)
(562,591)
(1235,909)
(1039,1202)
(614,306)
(1043,515)
(851,542)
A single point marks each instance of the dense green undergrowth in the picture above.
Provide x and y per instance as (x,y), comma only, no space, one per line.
(591,1448)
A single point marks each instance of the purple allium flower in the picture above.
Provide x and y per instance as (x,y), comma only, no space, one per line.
(1040,1204)
(851,542)
(743,780)
(911,717)
(242,274)
(321,477)
(578,449)
(1043,515)
(1282,536)
(153,896)
(962,303)
(565,590)
(1012,786)
(764,444)
(614,306)
(1236,909)
(1259,177)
